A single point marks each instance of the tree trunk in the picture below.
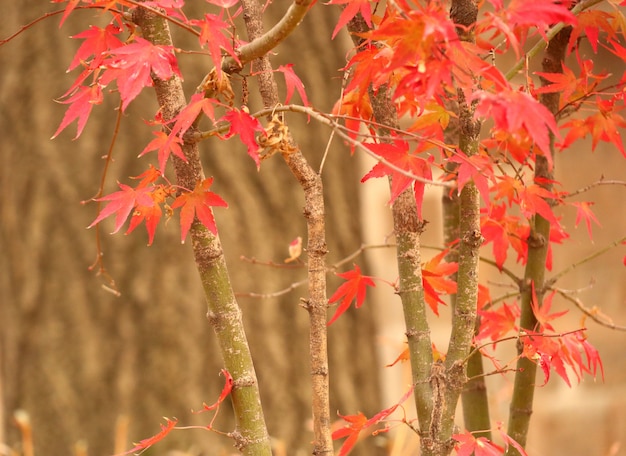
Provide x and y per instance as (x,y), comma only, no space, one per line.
(77,358)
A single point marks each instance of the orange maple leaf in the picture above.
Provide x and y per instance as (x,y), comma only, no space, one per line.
(434,281)
(198,204)
(354,288)
(359,422)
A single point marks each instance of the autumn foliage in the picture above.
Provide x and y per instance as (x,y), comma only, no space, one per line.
(438,69)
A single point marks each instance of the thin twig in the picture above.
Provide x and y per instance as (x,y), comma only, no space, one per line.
(274,294)
(597,183)
(592,313)
(549,283)
(330,122)
(110,287)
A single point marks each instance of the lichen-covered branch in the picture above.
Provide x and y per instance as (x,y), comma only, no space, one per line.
(474,395)
(408,229)
(251,437)
(265,42)
(314,212)
(534,274)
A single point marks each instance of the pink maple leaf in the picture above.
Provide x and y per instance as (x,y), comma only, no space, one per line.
(133,65)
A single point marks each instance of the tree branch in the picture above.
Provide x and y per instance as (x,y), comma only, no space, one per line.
(265,42)
(534,274)
(408,229)
(251,437)
(314,212)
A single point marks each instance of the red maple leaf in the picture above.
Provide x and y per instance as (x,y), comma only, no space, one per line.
(146,443)
(397,153)
(476,168)
(510,110)
(558,353)
(359,422)
(134,64)
(542,312)
(434,281)
(150,214)
(500,229)
(353,7)
(122,203)
(354,288)
(198,204)
(495,324)
(188,115)
(228,387)
(468,445)
(518,16)
(244,125)
(212,30)
(532,199)
(293,82)
(565,83)
(71,4)
(81,103)
(98,42)
(356,107)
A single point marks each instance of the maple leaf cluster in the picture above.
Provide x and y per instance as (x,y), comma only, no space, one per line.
(116,55)
(412,52)
(146,201)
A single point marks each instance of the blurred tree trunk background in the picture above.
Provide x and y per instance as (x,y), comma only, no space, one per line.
(77,358)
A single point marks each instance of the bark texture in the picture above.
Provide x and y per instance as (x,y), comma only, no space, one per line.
(75,357)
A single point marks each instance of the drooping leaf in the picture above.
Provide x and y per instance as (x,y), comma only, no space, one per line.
(351,9)
(147,443)
(246,126)
(584,212)
(509,110)
(81,103)
(71,5)
(293,82)
(562,352)
(542,311)
(228,387)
